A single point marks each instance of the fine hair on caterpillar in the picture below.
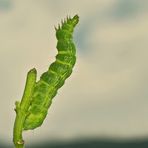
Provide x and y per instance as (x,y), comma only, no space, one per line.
(50,81)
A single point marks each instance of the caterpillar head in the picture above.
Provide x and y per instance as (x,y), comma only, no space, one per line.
(65,30)
(75,20)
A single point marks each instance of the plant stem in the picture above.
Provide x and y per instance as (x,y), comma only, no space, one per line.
(22,109)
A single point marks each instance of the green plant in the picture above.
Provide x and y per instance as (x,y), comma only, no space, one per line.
(37,97)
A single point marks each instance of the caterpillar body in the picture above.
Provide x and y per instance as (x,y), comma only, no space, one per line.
(50,81)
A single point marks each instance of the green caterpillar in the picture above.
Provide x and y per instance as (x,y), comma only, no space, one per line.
(50,81)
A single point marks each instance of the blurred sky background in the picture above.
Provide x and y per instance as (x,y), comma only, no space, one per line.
(107,94)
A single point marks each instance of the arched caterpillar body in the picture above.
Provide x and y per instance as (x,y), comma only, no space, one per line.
(50,81)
